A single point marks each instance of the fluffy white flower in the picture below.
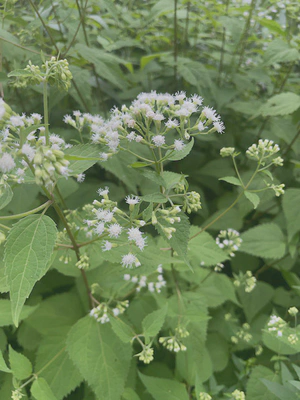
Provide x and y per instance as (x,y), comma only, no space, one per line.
(219,126)
(114,230)
(6,163)
(178,145)
(158,140)
(132,200)
(172,123)
(129,260)
(106,246)
(28,151)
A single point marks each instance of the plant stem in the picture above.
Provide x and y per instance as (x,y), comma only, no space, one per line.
(175,42)
(222,48)
(46,120)
(24,214)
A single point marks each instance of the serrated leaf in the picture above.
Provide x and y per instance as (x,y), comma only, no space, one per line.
(231,179)
(153,176)
(281,104)
(6,315)
(164,389)
(154,198)
(291,210)
(280,344)
(203,249)
(28,250)
(253,198)
(41,390)
(153,322)
(265,240)
(100,356)
(20,365)
(129,394)
(61,374)
(179,155)
(6,195)
(256,300)
(139,164)
(147,213)
(172,178)
(122,330)
(3,366)
(179,239)
(82,157)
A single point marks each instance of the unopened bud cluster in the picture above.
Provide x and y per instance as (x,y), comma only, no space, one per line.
(164,217)
(242,334)
(263,151)
(229,240)
(173,343)
(146,355)
(102,313)
(246,280)
(83,262)
(238,395)
(154,283)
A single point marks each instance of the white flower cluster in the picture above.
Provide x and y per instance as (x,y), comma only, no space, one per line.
(158,120)
(144,282)
(103,312)
(276,324)
(242,334)
(16,155)
(229,240)
(247,280)
(109,221)
(281,328)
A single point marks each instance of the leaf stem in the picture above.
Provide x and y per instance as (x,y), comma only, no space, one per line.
(46,118)
(25,214)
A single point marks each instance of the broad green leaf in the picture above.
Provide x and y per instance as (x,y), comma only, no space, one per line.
(61,374)
(265,240)
(6,194)
(154,198)
(122,330)
(129,394)
(3,366)
(281,104)
(280,51)
(218,350)
(280,344)
(256,300)
(172,178)
(256,390)
(82,157)
(146,59)
(139,164)
(100,356)
(281,392)
(217,289)
(164,389)
(41,390)
(28,250)
(204,250)
(231,179)
(291,210)
(153,322)
(153,176)
(19,73)
(254,198)
(272,25)
(6,315)
(20,365)
(173,155)
(147,213)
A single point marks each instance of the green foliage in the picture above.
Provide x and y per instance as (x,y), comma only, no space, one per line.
(178,278)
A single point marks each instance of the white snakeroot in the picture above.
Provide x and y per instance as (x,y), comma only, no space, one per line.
(106,246)
(127,277)
(210,114)
(80,178)
(178,145)
(219,126)
(172,123)
(201,126)
(114,230)
(131,200)
(158,140)
(6,163)
(28,151)
(131,136)
(129,260)
(103,192)
(100,228)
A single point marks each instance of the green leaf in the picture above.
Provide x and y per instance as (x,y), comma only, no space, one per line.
(28,250)
(154,198)
(265,240)
(254,198)
(20,365)
(280,51)
(147,213)
(256,300)
(217,289)
(61,374)
(231,179)
(204,250)
(139,164)
(100,356)
(3,366)
(164,389)
(153,176)
(146,59)
(19,73)
(6,315)
(171,179)
(280,344)
(281,104)
(122,330)
(41,390)
(5,196)
(291,210)
(256,390)
(179,155)
(129,394)
(153,322)
(82,157)
(281,392)
(273,26)
(218,350)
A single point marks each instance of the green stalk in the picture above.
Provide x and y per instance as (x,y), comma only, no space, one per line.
(25,214)
(46,117)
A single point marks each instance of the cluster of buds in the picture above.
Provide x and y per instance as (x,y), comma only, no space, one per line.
(47,162)
(242,334)
(16,395)
(228,152)
(102,312)
(229,240)
(83,262)
(246,280)
(204,396)
(278,189)
(146,355)
(173,343)
(238,395)
(192,202)
(166,217)
(55,72)
(144,281)
(263,151)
